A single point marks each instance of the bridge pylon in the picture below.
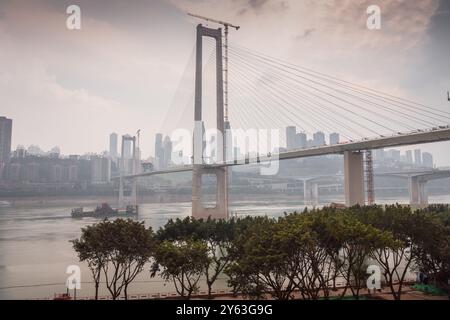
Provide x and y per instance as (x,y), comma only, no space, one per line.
(220,210)
(123,168)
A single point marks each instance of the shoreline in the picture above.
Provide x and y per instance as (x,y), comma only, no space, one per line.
(77,201)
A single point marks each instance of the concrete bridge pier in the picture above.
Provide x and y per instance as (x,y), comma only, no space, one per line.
(311,193)
(121,196)
(354,178)
(220,210)
(418,192)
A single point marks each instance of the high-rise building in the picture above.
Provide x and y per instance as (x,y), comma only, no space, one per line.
(319,139)
(334,138)
(427,160)
(291,134)
(228,141)
(379,154)
(5,139)
(100,169)
(113,146)
(409,157)
(20,152)
(301,140)
(418,157)
(394,154)
(159,151)
(167,152)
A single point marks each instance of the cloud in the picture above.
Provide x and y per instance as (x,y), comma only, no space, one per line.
(41,108)
(125,75)
(126,62)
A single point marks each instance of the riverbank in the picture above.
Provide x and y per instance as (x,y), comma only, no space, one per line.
(408,294)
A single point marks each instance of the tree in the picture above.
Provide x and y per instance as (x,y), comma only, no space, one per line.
(319,250)
(217,234)
(122,248)
(90,248)
(183,263)
(432,239)
(323,224)
(358,241)
(396,256)
(261,260)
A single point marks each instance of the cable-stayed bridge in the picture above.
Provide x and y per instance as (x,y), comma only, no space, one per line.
(267,93)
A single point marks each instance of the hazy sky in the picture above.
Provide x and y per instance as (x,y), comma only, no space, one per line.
(121,70)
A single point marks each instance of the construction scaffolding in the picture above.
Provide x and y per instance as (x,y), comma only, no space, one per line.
(370,188)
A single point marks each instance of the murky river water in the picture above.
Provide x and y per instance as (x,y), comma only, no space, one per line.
(35,249)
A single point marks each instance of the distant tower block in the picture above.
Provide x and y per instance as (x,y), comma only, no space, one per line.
(220,211)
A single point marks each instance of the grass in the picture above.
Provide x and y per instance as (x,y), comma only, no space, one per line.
(429,289)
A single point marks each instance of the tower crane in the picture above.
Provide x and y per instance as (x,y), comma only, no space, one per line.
(226,25)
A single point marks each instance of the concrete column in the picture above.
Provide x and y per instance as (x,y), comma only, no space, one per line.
(418,194)
(134,192)
(315,194)
(423,193)
(221,209)
(120,204)
(354,178)
(311,193)
(134,170)
(121,172)
(305,191)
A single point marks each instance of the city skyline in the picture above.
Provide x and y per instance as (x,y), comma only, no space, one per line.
(73,97)
(294,140)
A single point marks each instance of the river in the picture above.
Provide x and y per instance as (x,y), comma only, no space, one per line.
(35,249)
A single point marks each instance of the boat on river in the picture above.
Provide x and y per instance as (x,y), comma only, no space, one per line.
(105,211)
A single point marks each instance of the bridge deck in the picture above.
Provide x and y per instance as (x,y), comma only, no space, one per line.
(435,135)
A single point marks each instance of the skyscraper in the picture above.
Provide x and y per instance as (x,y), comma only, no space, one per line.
(100,169)
(167,151)
(409,157)
(159,152)
(301,140)
(417,157)
(334,138)
(319,139)
(379,154)
(113,145)
(427,160)
(291,134)
(394,154)
(5,139)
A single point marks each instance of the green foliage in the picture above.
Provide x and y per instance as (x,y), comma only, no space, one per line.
(429,289)
(216,234)
(182,262)
(305,252)
(433,244)
(119,248)
(259,260)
